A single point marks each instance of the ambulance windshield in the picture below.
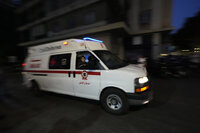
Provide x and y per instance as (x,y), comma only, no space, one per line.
(109,59)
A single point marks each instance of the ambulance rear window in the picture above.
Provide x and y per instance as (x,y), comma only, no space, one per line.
(61,61)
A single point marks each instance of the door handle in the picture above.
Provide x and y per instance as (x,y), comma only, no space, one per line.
(69,74)
(74,74)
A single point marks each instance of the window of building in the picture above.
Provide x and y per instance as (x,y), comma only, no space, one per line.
(68,1)
(85,60)
(90,18)
(71,23)
(61,61)
(17,2)
(37,31)
(56,26)
(55,4)
(137,40)
(145,16)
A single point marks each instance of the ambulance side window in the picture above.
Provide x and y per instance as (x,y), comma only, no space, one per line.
(85,60)
(61,61)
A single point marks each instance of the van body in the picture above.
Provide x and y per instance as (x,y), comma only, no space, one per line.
(85,68)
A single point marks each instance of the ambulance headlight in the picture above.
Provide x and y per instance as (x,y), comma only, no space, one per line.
(143,80)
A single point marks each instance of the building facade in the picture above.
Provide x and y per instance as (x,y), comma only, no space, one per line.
(127,27)
(150,24)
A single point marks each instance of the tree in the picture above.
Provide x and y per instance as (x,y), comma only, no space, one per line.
(188,37)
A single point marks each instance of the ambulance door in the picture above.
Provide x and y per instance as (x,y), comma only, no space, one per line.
(60,77)
(87,75)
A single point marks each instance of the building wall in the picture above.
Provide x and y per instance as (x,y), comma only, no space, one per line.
(96,12)
(145,19)
(149,18)
(167,13)
(149,15)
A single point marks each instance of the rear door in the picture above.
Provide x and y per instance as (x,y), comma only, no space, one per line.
(87,75)
(59,74)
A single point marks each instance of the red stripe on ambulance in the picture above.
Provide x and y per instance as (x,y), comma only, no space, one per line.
(62,72)
(35,60)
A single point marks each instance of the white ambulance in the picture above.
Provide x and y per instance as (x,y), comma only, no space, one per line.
(85,68)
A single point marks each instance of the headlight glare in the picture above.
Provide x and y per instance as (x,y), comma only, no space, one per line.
(143,80)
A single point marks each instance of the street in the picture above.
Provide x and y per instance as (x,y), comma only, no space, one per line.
(175,109)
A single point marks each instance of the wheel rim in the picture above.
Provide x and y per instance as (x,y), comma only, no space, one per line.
(114,102)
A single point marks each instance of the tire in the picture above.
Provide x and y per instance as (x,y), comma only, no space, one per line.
(36,89)
(114,101)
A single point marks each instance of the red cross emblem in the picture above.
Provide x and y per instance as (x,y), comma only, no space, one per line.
(84,75)
(53,62)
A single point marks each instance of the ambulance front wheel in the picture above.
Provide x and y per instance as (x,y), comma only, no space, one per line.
(35,88)
(114,101)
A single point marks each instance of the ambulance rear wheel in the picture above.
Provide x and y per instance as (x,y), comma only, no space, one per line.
(114,101)
(36,89)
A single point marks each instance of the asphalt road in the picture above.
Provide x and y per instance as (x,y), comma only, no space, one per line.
(175,109)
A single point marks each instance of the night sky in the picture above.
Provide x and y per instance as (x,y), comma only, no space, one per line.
(183,9)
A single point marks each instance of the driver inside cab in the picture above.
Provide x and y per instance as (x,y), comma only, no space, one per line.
(83,64)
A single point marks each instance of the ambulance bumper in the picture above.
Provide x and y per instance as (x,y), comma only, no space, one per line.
(140,98)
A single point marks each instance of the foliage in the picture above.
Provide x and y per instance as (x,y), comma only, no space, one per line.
(188,37)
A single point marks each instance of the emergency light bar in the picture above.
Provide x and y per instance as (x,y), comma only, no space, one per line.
(91,39)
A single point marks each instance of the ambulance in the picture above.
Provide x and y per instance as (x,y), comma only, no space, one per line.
(86,68)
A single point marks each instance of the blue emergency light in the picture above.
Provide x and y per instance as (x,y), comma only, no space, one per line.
(91,39)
